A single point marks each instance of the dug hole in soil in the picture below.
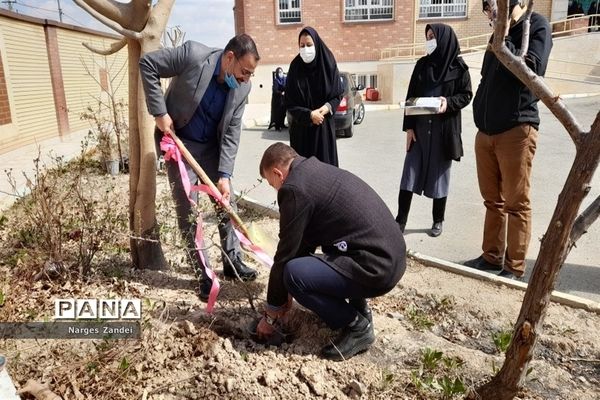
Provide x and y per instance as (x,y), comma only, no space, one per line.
(435,332)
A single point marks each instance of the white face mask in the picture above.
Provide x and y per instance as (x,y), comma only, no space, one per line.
(308,53)
(430,46)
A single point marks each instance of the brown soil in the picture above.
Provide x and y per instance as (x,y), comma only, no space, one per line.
(188,354)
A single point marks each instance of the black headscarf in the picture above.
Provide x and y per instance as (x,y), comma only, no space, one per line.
(443,64)
(311,85)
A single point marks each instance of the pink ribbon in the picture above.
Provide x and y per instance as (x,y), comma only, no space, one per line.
(260,253)
(172,152)
(168,146)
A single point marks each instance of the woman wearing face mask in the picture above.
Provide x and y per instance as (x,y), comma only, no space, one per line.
(277,101)
(313,93)
(433,141)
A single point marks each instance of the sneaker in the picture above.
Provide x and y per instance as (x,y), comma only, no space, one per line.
(355,338)
(481,264)
(436,229)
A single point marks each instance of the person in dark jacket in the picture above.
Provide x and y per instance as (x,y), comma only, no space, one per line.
(433,141)
(277,100)
(313,94)
(507,118)
(593,21)
(364,254)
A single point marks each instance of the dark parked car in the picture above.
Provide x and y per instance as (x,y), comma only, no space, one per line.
(351,110)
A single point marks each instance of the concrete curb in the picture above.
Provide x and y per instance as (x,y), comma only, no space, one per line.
(557,297)
(256,206)
(254,122)
(578,95)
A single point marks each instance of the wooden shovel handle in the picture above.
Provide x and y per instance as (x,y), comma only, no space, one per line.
(207,181)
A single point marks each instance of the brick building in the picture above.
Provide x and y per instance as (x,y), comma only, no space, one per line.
(355,30)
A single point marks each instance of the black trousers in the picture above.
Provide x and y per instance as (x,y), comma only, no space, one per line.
(404,200)
(318,287)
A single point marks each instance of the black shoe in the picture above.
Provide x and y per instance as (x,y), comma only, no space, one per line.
(481,264)
(355,338)
(362,307)
(204,289)
(436,229)
(509,275)
(239,270)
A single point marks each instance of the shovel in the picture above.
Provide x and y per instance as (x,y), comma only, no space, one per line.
(254,233)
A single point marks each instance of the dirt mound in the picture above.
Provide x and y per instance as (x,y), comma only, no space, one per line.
(437,335)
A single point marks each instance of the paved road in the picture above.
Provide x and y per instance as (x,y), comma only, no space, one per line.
(376,154)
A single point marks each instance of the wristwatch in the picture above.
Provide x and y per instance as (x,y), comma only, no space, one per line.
(270,320)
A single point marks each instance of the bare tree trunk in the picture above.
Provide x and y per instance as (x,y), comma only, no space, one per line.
(560,236)
(554,249)
(142,25)
(146,251)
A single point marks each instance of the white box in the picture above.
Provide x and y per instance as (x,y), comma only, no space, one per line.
(421,105)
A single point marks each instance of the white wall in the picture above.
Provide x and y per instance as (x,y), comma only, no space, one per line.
(559,9)
(568,72)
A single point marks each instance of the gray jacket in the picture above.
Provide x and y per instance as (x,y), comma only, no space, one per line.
(192,66)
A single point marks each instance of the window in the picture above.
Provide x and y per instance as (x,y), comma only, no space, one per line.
(442,8)
(289,11)
(373,80)
(365,80)
(368,10)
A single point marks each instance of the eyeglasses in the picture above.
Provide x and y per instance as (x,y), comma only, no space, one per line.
(245,72)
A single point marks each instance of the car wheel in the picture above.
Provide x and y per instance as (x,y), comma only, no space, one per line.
(349,132)
(361,114)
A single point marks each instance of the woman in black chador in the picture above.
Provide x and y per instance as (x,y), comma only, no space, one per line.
(277,102)
(313,93)
(433,141)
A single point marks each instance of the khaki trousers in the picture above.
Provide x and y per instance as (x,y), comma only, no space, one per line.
(504,171)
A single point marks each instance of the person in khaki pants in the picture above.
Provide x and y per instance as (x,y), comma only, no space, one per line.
(507,117)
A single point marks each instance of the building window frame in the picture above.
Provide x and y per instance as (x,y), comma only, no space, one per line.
(368,10)
(289,12)
(443,9)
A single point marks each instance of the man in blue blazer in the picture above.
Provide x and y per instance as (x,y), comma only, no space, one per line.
(203,105)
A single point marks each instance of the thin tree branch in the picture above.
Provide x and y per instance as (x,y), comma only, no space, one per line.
(536,84)
(592,212)
(111,9)
(585,220)
(87,70)
(108,22)
(526,29)
(114,47)
(118,73)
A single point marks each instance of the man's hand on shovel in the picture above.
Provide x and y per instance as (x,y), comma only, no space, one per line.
(164,123)
(224,188)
